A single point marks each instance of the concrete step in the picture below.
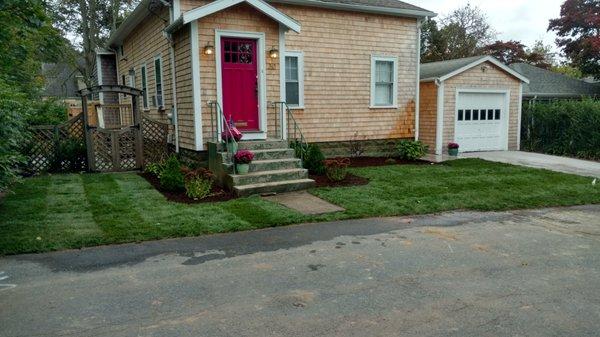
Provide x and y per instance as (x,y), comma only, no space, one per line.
(263,145)
(273,154)
(275,164)
(274,187)
(266,177)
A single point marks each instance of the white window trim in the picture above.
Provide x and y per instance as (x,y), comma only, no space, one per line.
(144,78)
(162,81)
(394,60)
(300,56)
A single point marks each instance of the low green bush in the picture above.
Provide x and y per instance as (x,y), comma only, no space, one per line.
(47,112)
(337,169)
(171,177)
(411,149)
(314,160)
(198,188)
(154,168)
(564,128)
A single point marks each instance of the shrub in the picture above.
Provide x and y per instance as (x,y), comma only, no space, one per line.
(171,176)
(243,157)
(48,112)
(155,168)
(337,169)
(313,160)
(564,128)
(13,108)
(70,155)
(198,182)
(411,149)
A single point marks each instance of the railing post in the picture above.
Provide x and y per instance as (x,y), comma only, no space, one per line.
(284,121)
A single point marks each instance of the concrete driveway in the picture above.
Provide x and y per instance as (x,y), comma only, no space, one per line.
(537,160)
(522,273)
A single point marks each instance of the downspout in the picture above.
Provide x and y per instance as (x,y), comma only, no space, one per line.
(418,88)
(174,116)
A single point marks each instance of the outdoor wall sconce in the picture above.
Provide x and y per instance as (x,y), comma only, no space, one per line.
(209,49)
(274,53)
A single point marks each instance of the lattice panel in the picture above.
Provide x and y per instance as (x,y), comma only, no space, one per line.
(156,136)
(127,150)
(103,150)
(45,141)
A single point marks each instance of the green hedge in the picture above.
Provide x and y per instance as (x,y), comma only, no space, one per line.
(565,128)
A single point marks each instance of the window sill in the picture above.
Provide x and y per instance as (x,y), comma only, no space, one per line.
(383,107)
(299,107)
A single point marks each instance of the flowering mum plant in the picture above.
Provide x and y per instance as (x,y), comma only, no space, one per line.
(453,146)
(243,157)
(232,133)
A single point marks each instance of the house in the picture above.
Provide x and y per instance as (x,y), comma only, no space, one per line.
(345,68)
(547,85)
(475,102)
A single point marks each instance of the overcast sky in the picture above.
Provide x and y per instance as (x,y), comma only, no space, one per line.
(522,20)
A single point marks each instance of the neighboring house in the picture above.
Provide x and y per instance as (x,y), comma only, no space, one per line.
(475,102)
(346,68)
(548,85)
(61,80)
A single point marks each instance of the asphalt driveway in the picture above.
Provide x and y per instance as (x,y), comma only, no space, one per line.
(522,273)
(580,167)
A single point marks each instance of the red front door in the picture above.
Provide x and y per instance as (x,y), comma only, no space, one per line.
(240,82)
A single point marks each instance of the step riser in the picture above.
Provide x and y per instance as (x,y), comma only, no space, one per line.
(276,165)
(270,155)
(264,145)
(275,189)
(249,180)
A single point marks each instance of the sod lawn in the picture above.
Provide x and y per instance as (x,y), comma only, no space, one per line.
(78,210)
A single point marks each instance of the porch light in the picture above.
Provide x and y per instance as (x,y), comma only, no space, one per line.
(274,53)
(209,49)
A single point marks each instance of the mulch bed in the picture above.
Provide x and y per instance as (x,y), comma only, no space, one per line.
(218,194)
(381,161)
(351,180)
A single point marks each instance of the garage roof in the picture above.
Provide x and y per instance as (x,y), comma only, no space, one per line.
(443,70)
(546,83)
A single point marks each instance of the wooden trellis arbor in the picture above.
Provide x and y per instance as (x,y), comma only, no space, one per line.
(119,148)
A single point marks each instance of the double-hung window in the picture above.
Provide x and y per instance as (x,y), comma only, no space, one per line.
(294,79)
(384,82)
(158,81)
(144,87)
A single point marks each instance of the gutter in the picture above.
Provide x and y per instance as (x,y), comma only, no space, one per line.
(135,18)
(418,87)
(412,13)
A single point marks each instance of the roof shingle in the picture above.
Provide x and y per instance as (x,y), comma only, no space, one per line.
(546,83)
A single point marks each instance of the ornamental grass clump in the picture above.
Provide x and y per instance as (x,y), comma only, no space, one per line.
(198,182)
(337,169)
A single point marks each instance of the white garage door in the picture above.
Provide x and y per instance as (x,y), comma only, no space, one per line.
(481,121)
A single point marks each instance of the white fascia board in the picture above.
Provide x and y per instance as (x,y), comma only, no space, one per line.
(260,5)
(490,59)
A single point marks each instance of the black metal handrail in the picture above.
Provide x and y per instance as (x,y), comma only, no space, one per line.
(218,116)
(296,130)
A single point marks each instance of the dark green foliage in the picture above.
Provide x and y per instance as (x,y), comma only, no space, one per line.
(48,112)
(171,177)
(70,155)
(313,160)
(12,135)
(564,128)
(411,150)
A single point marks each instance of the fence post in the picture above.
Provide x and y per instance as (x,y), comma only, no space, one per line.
(87,133)
(139,140)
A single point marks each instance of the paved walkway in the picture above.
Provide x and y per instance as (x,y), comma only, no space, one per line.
(537,160)
(518,273)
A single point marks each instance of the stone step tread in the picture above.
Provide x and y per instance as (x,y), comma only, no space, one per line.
(264,173)
(267,161)
(274,184)
(272,150)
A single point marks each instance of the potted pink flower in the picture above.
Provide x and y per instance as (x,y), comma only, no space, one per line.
(453,149)
(231,137)
(243,158)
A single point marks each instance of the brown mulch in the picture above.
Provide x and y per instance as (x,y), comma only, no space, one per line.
(351,180)
(381,161)
(218,194)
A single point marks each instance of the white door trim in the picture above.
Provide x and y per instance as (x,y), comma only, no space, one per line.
(196,85)
(506,121)
(262,77)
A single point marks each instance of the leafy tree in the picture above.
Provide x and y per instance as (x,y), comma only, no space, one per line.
(578,29)
(515,52)
(568,70)
(90,23)
(460,34)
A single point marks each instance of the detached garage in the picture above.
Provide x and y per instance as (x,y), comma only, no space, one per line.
(475,102)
